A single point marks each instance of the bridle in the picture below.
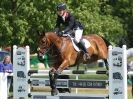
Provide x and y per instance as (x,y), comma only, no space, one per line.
(47,49)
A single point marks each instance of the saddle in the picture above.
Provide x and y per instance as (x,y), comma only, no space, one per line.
(76,47)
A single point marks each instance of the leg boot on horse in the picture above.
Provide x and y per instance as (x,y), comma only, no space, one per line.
(53,81)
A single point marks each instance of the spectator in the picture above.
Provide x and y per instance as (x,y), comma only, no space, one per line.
(7,67)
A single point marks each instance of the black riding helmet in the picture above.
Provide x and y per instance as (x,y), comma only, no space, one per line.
(61,6)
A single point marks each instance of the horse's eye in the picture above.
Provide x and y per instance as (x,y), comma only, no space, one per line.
(42,42)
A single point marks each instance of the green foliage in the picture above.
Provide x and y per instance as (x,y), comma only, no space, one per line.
(124,10)
(20,20)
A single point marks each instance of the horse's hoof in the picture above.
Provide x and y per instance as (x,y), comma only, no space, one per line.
(54,92)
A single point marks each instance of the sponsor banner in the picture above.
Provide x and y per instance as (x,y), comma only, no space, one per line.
(87,84)
(39,97)
(66,83)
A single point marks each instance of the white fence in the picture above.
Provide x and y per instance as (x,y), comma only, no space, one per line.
(117,73)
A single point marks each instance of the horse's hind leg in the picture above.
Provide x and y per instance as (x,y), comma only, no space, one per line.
(106,64)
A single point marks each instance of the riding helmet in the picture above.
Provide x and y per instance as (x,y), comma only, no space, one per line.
(61,6)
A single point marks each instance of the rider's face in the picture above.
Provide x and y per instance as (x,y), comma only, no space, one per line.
(60,12)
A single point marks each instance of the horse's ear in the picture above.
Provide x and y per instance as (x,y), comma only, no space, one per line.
(41,33)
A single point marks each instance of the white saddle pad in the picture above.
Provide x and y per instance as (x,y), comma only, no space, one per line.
(86,42)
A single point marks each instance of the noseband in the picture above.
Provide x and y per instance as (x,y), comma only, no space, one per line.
(46,49)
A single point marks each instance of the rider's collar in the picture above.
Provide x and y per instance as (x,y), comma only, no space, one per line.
(64,16)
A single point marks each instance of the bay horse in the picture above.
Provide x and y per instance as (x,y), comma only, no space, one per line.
(67,55)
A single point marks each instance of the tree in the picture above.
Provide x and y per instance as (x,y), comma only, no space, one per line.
(20,20)
(124,10)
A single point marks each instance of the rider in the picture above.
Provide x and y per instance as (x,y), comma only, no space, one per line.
(68,20)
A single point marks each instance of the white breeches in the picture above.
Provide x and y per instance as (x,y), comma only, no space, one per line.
(78,35)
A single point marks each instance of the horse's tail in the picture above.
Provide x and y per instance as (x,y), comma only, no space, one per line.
(106,41)
(107,45)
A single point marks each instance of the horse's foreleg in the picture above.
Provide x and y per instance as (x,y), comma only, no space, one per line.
(53,75)
(64,64)
(52,79)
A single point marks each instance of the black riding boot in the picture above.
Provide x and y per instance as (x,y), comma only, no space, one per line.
(82,46)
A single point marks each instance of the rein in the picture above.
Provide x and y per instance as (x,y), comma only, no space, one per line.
(48,49)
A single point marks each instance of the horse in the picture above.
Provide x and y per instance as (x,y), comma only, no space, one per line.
(67,55)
